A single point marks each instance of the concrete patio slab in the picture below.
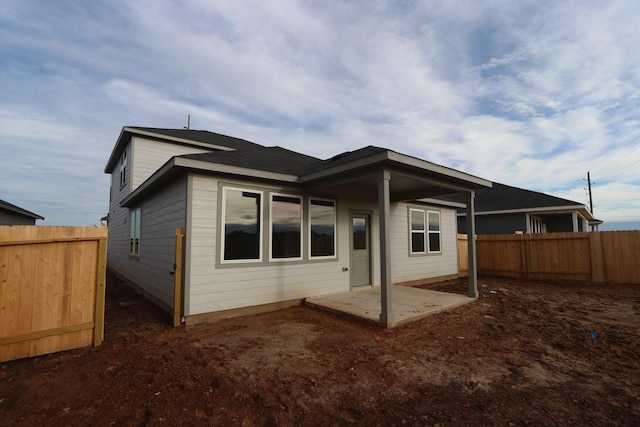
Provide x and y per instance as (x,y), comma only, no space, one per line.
(409,304)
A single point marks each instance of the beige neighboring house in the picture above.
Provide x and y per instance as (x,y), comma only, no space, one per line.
(14,215)
(267,226)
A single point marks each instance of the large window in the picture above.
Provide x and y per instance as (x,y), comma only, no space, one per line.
(286,227)
(434,231)
(241,216)
(322,226)
(134,232)
(417,231)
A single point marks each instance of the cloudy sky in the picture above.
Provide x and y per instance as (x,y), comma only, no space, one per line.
(527,93)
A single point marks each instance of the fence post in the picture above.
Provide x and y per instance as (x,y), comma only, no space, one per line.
(528,257)
(98,327)
(177,277)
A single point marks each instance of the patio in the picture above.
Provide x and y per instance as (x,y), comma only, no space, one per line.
(409,304)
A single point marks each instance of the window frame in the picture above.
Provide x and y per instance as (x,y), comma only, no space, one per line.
(260,219)
(271,217)
(423,232)
(135,218)
(430,232)
(124,163)
(311,257)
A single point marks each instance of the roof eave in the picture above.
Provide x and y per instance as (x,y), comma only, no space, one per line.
(542,210)
(394,158)
(176,164)
(128,132)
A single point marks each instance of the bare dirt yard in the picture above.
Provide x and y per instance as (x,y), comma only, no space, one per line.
(523,354)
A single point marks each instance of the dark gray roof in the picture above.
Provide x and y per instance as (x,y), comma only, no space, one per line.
(344,158)
(503,197)
(202,136)
(234,156)
(270,159)
(15,209)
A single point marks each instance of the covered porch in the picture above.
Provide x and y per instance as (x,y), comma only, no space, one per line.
(409,304)
(393,177)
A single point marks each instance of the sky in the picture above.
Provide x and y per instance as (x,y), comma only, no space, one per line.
(531,94)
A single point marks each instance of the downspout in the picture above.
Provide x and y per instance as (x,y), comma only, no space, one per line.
(384,201)
(471,244)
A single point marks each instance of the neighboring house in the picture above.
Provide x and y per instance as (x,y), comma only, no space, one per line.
(503,209)
(265,225)
(14,215)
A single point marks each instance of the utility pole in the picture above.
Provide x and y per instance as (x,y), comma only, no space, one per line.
(590,198)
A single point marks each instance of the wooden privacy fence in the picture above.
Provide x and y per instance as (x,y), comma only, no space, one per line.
(601,257)
(52,289)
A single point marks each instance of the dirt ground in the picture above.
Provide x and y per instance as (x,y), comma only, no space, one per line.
(524,353)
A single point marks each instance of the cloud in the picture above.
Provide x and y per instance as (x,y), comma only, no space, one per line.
(532,95)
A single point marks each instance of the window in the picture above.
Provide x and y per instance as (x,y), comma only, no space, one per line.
(434,231)
(134,233)
(286,227)
(241,216)
(417,231)
(322,226)
(123,168)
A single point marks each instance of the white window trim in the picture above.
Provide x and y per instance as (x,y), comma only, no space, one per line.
(335,228)
(423,231)
(223,224)
(439,232)
(301,257)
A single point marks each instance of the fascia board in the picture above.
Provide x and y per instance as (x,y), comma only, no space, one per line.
(401,159)
(442,170)
(234,170)
(440,202)
(549,209)
(179,140)
(115,153)
(149,182)
(128,132)
(346,167)
(176,163)
(18,210)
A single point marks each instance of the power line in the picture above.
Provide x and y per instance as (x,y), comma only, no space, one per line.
(599,167)
(618,172)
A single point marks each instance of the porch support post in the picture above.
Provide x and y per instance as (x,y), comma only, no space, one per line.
(386,314)
(471,244)
(574,219)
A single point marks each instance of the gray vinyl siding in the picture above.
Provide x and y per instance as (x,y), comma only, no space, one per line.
(496,224)
(558,223)
(406,268)
(209,288)
(118,247)
(161,214)
(13,218)
(147,156)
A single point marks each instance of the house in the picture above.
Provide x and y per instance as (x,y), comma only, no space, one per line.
(503,209)
(266,226)
(14,215)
